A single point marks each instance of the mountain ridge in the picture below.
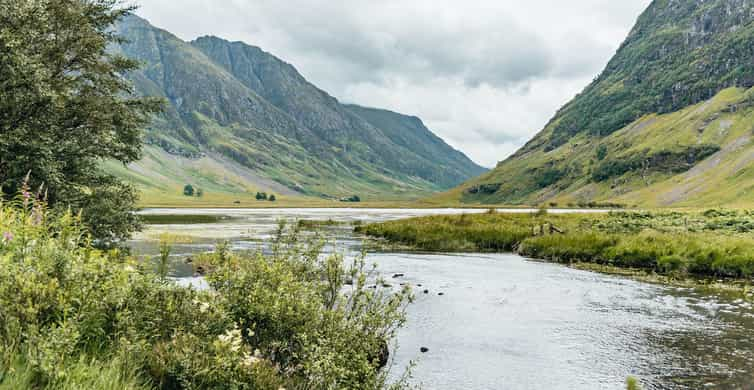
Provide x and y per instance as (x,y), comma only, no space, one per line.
(681,79)
(238,101)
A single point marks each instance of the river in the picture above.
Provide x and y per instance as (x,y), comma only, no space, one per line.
(507,322)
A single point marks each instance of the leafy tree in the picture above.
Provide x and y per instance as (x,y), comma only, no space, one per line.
(354,198)
(65,108)
(601,152)
(188,190)
(261,196)
(272,198)
(199,192)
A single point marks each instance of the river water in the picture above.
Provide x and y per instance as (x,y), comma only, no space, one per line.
(506,322)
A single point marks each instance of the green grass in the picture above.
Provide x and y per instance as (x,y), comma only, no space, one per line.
(714,243)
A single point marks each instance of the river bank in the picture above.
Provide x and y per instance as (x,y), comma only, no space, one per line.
(708,245)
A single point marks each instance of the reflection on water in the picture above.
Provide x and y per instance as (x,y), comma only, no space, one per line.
(507,322)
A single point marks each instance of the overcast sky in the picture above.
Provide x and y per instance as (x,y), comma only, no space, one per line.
(483,75)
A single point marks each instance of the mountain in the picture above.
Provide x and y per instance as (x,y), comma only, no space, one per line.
(667,123)
(239,119)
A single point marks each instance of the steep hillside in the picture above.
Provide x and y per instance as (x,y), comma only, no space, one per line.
(671,112)
(234,102)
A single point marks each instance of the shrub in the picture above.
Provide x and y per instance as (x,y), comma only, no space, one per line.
(188,190)
(74,316)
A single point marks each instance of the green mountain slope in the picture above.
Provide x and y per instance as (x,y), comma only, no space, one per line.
(670,112)
(231,102)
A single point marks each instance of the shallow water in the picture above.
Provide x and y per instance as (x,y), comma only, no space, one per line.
(505,322)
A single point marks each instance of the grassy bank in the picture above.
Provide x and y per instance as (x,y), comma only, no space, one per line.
(712,243)
(75,317)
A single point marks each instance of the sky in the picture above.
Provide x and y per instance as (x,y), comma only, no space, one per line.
(485,75)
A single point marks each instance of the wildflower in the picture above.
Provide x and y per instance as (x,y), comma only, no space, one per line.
(249,360)
(7,237)
(232,337)
(203,306)
(37,216)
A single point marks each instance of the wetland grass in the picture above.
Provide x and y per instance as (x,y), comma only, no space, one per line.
(710,244)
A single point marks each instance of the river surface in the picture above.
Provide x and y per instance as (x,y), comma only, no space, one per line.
(507,322)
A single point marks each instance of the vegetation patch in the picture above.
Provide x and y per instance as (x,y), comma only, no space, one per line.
(698,244)
(74,317)
(664,161)
(182,219)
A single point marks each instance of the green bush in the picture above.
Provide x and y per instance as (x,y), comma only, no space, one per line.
(72,316)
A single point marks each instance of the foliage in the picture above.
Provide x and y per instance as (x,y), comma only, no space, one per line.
(548,176)
(272,198)
(188,190)
(662,161)
(64,107)
(601,152)
(707,244)
(632,384)
(72,316)
(261,196)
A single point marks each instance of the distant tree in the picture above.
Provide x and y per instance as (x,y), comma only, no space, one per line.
(65,107)
(188,190)
(272,198)
(199,192)
(355,198)
(601,152)
(261,196)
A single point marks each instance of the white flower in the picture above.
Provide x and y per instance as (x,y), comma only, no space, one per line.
(232,337)
(249,360)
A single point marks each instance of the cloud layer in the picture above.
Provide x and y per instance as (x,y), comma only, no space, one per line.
(484,75)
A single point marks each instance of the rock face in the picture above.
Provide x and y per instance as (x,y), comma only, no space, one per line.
(236,100)
(679,54)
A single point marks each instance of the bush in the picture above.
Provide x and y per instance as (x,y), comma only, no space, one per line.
(188,190)
(72,316)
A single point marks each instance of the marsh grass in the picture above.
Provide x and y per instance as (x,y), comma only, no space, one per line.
(714,243)
(317,223)
(181,219)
